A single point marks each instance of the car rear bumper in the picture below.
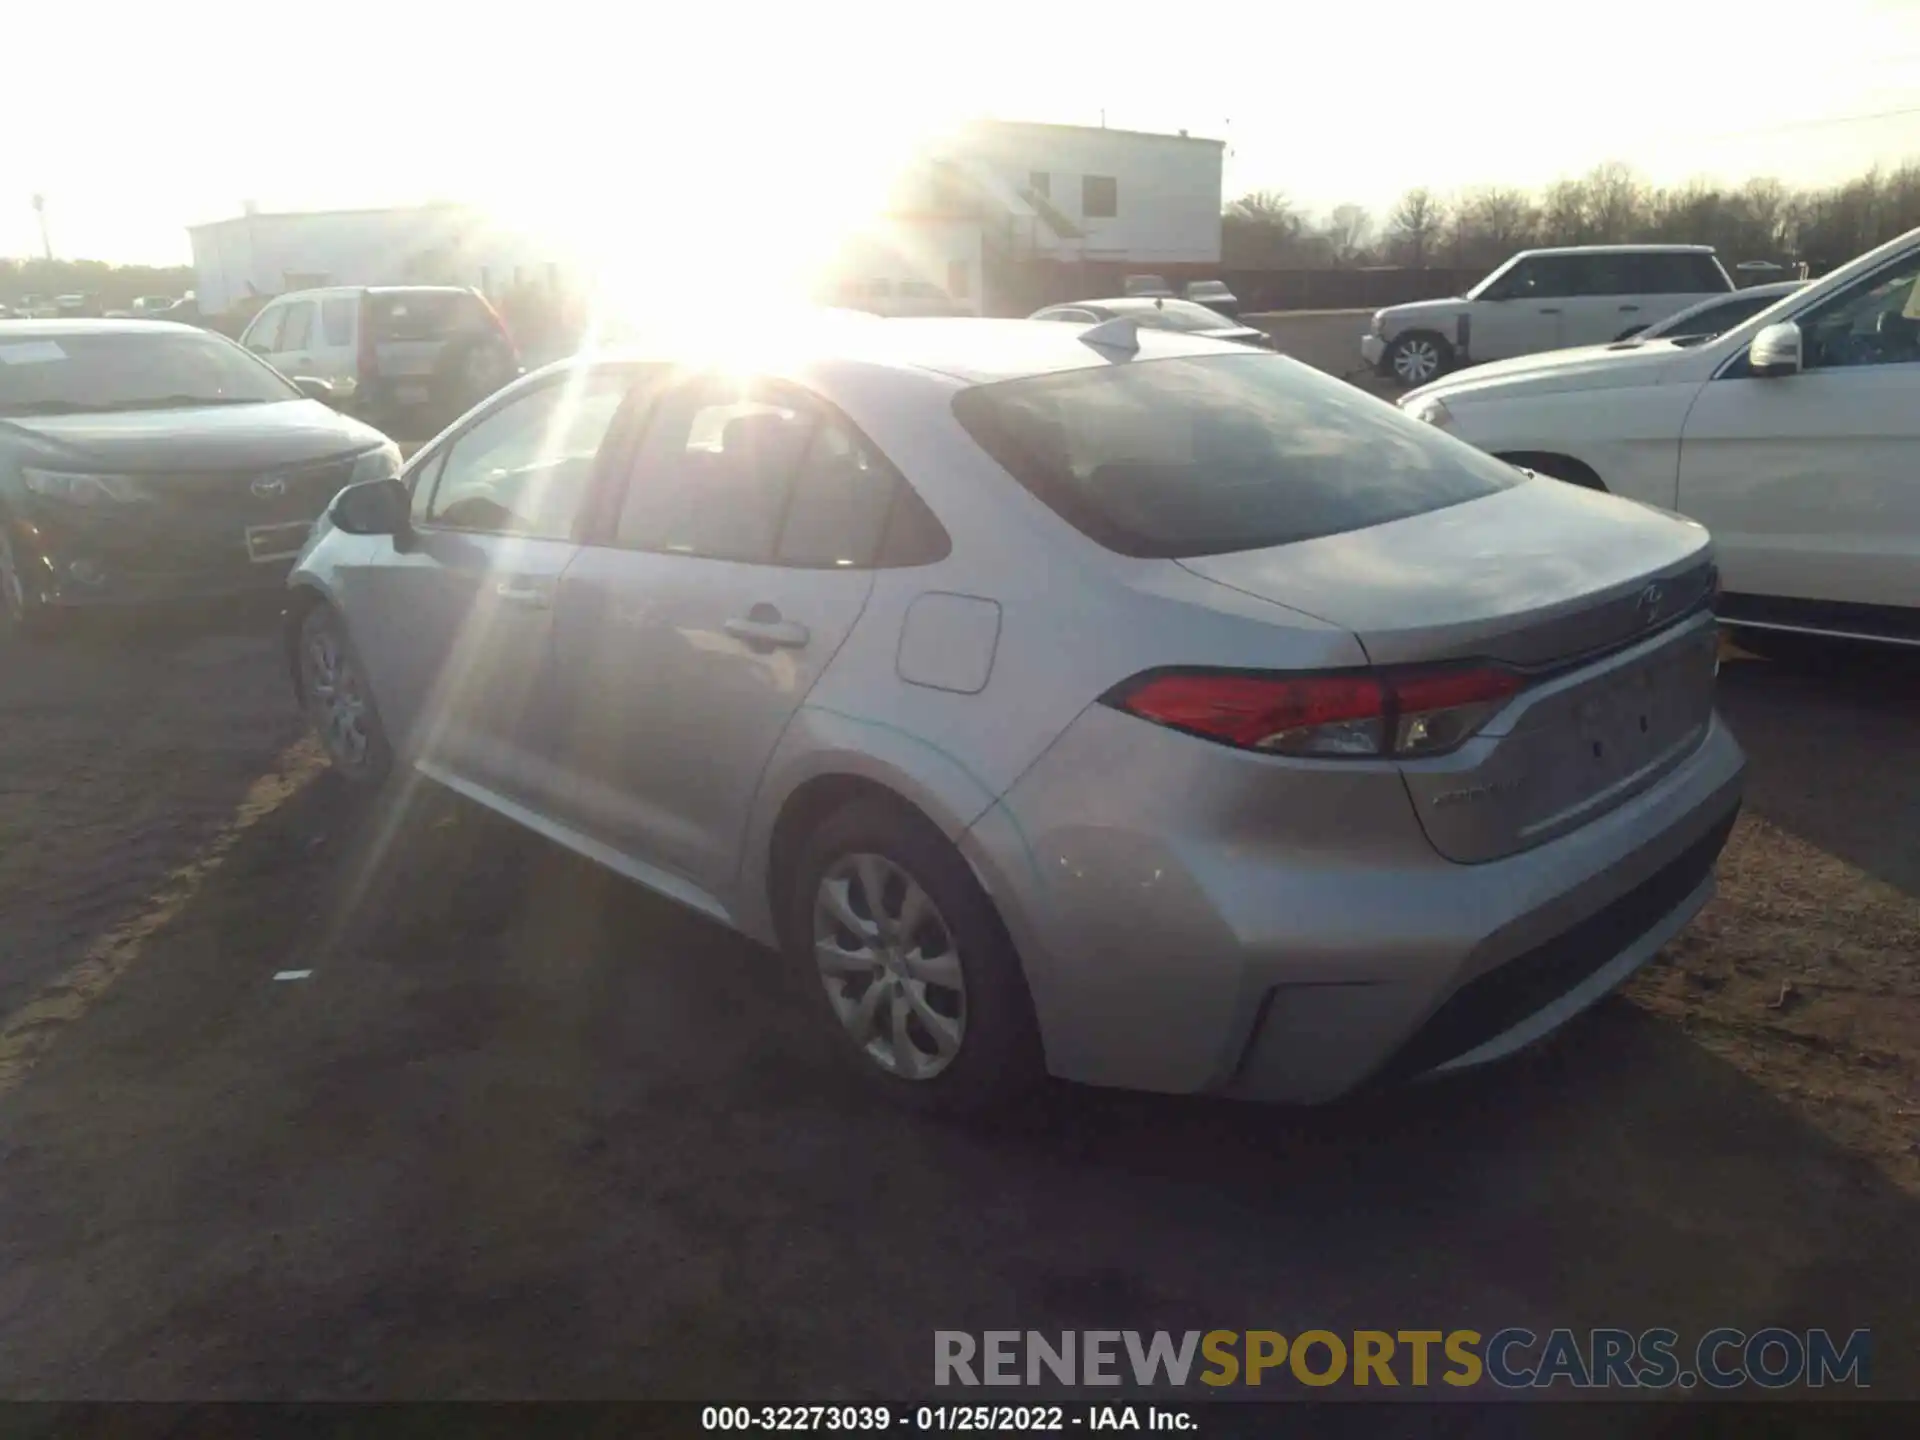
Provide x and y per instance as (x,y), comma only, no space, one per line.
(1167,955)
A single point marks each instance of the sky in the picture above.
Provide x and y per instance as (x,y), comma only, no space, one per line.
(625,126)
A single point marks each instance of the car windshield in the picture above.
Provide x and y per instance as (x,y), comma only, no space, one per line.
(1174,315)
(1706,321)
(1203,455)
(70,373)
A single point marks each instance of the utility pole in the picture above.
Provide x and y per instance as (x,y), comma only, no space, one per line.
(40,209)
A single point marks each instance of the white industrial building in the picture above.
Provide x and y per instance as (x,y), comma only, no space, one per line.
(256,255)
(999,217)
(1004,215)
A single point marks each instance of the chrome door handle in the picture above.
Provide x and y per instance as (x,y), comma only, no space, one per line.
(533,597)
(783,634)
(1631,309)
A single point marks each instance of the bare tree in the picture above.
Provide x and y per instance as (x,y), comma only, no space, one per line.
(1500,220)
(1266,207)
(1263,230)
(1347,230)
(1616,203)
(1416,223)
(1563,213)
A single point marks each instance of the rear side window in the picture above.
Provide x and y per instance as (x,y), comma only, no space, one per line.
(1203,455)
(402,316)
(1664,273)
(336,320)
(764,475)
(1705,274)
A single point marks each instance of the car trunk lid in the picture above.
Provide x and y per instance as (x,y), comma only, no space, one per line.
(1600,604)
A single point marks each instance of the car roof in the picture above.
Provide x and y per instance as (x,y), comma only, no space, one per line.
(53,329)
(964,348)
(312,291)
(1618,250)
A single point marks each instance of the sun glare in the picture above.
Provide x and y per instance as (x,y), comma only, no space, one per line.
(752,222)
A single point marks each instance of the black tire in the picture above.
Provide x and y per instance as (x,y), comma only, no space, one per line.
(364,768)
(999,1057)
(23,618)
(1417,357)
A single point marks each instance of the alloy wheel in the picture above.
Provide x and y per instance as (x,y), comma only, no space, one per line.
(13,590)
(1416,361)
(890,966)
(336,698)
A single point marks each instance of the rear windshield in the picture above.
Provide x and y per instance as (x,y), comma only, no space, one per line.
(423,315)
(1173,315)
(1203,455)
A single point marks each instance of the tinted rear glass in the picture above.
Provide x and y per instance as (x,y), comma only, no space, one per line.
(1172,315)
(1678,273)
(1203,455)
(423,315)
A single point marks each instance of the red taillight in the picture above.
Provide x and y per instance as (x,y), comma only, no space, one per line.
(1350,713)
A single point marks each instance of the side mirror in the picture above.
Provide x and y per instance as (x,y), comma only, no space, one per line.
(1775,352)
(373,507)
(314,388)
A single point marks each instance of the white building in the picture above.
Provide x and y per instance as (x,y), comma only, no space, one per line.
(269,254)
(1000,217)
(1006,214)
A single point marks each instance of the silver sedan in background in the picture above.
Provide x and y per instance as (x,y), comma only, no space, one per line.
(1113,703)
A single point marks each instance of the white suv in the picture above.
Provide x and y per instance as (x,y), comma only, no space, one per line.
(1543,300)
(1794,437)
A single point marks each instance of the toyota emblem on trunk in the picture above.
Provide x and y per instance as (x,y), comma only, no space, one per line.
(268,486)
(1649,603)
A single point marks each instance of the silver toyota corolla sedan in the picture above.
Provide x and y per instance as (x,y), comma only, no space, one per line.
(1117,704)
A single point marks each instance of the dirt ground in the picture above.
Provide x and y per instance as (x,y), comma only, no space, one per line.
(523,1131)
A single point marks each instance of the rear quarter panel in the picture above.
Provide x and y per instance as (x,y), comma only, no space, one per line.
(1074,621)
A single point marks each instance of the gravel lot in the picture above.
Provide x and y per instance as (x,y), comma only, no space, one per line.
(526,1132)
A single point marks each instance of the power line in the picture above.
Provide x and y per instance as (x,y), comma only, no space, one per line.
(1814,123)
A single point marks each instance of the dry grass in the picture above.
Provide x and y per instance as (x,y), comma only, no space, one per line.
(1803,973)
